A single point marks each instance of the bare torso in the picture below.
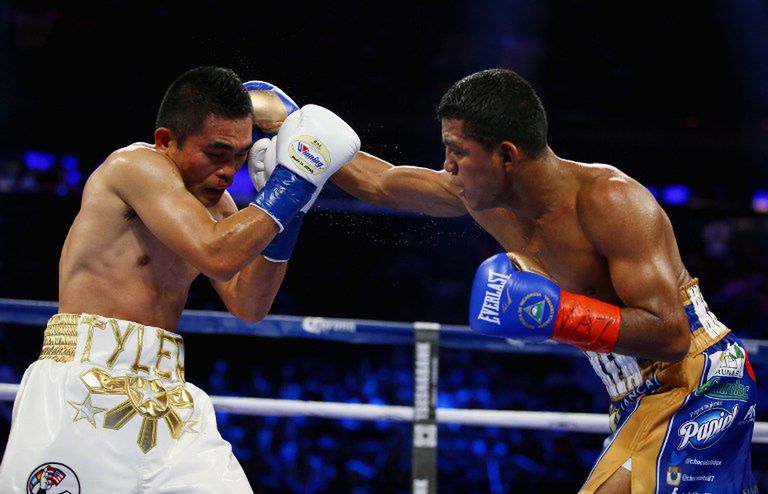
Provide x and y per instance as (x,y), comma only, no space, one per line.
(111,264)
(557,242)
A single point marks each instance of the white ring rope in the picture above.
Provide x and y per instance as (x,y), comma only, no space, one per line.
(551,421)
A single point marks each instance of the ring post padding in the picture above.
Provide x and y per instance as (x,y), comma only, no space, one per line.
(425,372)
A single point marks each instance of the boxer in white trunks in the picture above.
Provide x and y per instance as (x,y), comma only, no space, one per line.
(106,408)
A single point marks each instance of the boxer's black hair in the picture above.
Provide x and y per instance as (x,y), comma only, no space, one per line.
(198,94)
(497,105)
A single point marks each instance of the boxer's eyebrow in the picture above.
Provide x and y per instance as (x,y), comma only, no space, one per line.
(452,144)
(227,146)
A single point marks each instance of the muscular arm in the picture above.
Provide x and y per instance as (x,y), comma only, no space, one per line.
(627,226)
(408,188)
(150,184)
(250,293)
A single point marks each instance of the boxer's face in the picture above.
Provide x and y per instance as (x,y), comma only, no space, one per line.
(209,159)
(475,170)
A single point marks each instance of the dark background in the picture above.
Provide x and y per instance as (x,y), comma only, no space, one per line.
(671,92)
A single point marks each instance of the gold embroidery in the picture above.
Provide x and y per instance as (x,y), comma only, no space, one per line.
(179,359)
(162,336)
(137,367)
(92,322)
(120,339)
(61,344)
(145,397)
(60,340)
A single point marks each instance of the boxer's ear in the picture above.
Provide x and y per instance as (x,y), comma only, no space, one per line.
(510,153)
(163,137)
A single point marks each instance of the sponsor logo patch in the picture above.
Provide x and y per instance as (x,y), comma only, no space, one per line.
(727,363)
(491,309)
(53,478)
(617,409)
(677,458)
(309,154)
(674,474)
(698,478)
(749,417)
(703,463)
(321,325)
(535,310)
(719,389)
(707,428)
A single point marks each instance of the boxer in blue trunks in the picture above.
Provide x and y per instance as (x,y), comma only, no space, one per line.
(592,262)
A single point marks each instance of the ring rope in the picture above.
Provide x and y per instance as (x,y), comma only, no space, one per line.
(32,312)
(550,421)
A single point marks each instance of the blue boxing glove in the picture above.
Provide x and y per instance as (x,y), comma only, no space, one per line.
(262,161)
(271,106)
(514,303)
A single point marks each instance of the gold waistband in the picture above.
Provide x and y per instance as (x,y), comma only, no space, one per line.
(706,329)
(60,340)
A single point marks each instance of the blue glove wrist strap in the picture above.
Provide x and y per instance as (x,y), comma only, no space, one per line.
(281,247)
(283,196)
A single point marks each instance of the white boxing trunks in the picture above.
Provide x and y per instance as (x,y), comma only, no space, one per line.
(106,409)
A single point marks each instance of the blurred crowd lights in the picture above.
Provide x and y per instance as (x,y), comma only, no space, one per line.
(682,195)
(760,201)
(43,161)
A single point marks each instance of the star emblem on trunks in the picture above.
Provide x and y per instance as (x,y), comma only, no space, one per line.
(86,410)
(147,392)
(145,397)
(189,427)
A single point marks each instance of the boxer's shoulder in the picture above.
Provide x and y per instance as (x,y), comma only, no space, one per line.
(139,163)
(135,154)
(605,189)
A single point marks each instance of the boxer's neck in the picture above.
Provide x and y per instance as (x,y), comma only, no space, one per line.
(537,185)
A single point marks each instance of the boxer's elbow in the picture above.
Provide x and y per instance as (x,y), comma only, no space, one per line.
(678,344)
(249,313)
(219,263)
(252,317)
(245,304)
(220,268)
(675,352)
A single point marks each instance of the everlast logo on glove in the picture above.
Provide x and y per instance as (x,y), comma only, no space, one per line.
(490,309)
